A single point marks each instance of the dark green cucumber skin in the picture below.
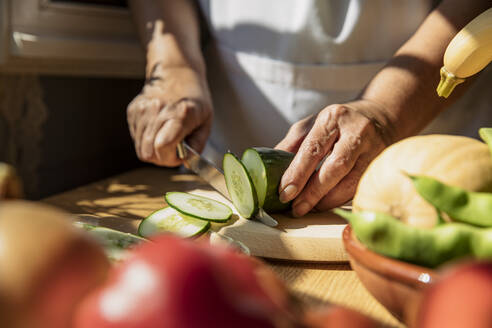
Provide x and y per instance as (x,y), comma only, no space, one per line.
(255,196)
(276,162)
(197,216)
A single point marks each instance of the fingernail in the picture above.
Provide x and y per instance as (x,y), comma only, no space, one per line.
(301,209)
(288,193)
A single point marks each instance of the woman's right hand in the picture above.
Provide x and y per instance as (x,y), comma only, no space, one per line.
(174,105)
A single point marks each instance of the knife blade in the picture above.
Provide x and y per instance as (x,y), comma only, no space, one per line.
(213,176)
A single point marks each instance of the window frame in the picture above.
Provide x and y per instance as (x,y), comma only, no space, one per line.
(41,36)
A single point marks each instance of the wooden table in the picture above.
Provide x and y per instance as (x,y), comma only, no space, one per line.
(126,198)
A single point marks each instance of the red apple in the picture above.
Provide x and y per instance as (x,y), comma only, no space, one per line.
(181,283)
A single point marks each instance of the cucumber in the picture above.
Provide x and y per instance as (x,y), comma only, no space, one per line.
(115,243)
(198,206)
(266,167)
(167,219)
(240,186)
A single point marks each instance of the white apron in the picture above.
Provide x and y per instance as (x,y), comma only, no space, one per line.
(272,63)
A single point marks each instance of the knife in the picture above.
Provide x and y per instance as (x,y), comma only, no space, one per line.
(214,177)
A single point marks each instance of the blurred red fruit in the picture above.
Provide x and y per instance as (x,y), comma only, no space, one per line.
(337,317)
(180,283)
(462,298)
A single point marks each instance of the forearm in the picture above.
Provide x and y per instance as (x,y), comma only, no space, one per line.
(405,89)
(169,30)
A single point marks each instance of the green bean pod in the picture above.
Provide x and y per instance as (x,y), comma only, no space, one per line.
(461,205)
(388,236)
(486,135)
(481,244)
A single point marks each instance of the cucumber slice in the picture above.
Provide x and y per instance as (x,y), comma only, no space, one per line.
(240,186)
(115,243)
(198,206)
(266,167)
(167,219)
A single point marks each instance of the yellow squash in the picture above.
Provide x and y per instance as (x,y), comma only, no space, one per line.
(467,53)
(455,160)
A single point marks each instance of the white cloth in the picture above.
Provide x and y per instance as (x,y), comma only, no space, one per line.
(272,63)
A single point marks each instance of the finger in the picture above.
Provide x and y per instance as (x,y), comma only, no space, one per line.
(139,130)
(154,112)
(296,134)
(337,165)
(158,116)
(341,193)
(130,117)
(134,111)
(290,143)
(345,189)
(131,125)
(141,122)
(166,141)
(313,149)
(186,118)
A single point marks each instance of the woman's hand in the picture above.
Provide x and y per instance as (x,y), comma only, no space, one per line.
(341,140)
(173,105)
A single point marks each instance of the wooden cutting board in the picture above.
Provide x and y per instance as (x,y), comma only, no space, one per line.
(121,202)
(316,237)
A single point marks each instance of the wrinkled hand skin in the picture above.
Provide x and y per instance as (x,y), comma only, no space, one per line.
(344,139)
(173,105)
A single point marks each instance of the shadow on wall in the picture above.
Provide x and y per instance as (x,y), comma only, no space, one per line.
(67,132)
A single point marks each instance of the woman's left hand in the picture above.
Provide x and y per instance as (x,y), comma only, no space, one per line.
(341,140)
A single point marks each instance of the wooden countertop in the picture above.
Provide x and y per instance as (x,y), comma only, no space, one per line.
(128,197)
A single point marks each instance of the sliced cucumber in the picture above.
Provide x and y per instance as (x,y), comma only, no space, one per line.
(198,206)
(266,167)
(115,243)
(167,219)
(240,186)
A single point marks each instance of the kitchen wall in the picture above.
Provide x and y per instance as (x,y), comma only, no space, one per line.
(63,132)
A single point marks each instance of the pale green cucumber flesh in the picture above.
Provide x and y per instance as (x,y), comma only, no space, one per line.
(240,186)
(115,243)
(266,167)
(169,220)
(198,206)
(256,169)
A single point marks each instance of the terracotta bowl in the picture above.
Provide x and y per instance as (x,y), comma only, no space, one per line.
(393,283)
